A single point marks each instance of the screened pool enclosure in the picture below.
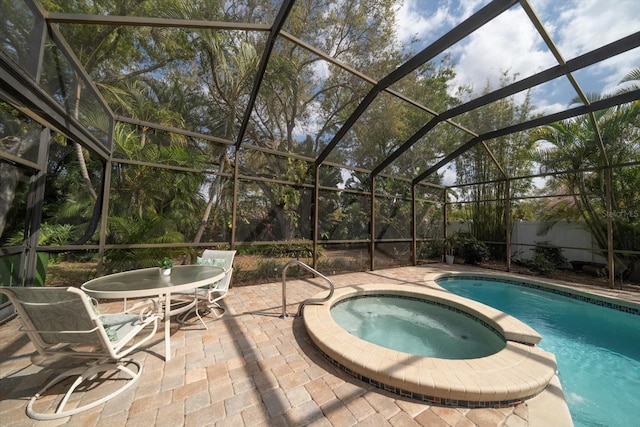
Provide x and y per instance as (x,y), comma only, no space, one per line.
(136,130)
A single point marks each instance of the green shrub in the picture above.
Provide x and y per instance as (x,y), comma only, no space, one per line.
(331,265)
(303,250)
(541,264)
(430,249)
(472,250)
(549,252)
(268,269)
(546,258)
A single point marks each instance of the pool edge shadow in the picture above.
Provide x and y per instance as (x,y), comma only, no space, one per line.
(549,407)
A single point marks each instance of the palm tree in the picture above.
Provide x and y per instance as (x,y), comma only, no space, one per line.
(632,77)
(575,147)
(229,69)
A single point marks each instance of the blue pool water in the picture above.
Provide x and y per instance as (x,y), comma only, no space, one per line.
(597,348)
(415,326)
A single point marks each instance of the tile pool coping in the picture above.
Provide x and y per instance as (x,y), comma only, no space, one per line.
(517,372)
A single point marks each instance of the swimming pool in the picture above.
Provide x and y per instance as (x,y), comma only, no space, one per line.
(597,348)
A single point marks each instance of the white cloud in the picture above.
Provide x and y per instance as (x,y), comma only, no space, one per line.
(448,174)
(415,21)
(608,73)
(468,7)
(589,24)
(545,108)
(509,43)
(321,69)
(427,20)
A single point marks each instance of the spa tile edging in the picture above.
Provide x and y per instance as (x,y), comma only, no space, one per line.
(517,372)
(432,400)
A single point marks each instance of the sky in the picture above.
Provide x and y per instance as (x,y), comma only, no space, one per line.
(511,43)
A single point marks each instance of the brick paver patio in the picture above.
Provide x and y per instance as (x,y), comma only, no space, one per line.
(251,368)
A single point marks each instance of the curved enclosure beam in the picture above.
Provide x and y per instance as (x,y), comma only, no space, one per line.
(467,27)
(605,52)
(541,121)
(271,41)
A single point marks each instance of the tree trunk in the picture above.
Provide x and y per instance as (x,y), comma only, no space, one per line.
(215,194)
(83,170)
(10,174)
(287,229)
(79,152)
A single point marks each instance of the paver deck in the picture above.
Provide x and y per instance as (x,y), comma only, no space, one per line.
(253,368)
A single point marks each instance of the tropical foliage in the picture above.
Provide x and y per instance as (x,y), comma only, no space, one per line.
(169,187)
(200,80)
(487,165)
(574,146)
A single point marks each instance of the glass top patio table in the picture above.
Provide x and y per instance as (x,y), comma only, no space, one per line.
(150,282)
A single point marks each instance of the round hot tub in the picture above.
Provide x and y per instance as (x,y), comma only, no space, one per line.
(416,326)
(506,372)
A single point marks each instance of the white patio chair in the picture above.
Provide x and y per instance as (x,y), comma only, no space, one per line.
(210,295)
(64,321)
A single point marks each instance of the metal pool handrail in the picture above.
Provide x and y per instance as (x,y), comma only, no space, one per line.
(307,301)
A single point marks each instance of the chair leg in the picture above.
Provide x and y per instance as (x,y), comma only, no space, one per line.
(197,310)
(215,305)
(84,373)
(182,319)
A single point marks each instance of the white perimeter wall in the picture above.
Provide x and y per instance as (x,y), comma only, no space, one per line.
(563,234)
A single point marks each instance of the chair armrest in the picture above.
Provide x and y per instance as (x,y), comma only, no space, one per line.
(147,308)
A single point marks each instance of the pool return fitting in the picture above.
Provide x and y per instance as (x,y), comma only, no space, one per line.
(307,301)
